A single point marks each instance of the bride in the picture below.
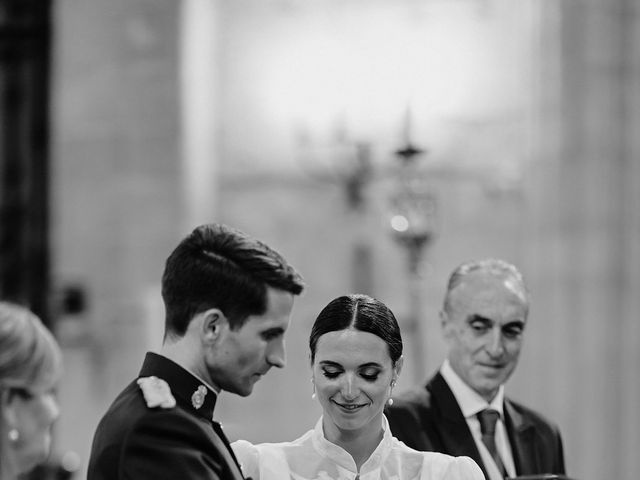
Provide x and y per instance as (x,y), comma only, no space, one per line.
(356,358)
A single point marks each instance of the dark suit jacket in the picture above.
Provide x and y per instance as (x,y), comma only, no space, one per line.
(430,419)
(133,441)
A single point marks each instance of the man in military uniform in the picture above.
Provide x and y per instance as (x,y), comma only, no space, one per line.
(228,300)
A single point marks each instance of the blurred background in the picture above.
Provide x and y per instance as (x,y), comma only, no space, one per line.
(377,144)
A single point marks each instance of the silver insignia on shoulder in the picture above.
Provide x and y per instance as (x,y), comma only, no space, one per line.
(156,392)
(197,399)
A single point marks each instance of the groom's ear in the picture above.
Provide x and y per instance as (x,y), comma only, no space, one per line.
(214,323)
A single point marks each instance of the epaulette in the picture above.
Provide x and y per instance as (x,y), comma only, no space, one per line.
(156,392)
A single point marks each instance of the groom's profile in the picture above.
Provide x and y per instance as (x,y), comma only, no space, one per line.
(228,299)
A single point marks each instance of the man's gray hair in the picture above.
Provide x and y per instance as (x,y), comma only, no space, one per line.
(492,266)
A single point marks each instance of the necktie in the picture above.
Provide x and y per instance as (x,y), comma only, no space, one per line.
(488,419)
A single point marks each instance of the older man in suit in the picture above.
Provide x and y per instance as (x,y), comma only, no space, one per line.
(228,300)
(463,409)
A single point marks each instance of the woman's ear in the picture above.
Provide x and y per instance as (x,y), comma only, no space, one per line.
(397,368)
(443,318)
(7,407)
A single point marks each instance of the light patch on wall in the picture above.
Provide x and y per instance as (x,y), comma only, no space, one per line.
(364,68)
(199,109)
(350,70)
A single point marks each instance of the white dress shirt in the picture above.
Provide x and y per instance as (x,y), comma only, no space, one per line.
(313,457)
(471,403)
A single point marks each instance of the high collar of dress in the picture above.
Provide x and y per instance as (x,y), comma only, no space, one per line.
(340,456)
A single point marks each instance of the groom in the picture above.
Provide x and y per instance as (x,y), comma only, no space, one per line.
(228,300)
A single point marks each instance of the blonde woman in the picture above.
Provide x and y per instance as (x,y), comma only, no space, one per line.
(30,367)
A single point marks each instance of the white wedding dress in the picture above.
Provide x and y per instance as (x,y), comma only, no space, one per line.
(312,457)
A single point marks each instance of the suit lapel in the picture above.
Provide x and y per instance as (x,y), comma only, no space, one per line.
(457,439)
(521,436)
(452,427)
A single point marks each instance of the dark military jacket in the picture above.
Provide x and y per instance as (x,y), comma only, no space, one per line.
(136,441)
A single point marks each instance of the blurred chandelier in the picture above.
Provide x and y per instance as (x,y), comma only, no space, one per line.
(413,203)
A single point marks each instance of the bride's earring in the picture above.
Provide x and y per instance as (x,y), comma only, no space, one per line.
(390,400)
(13,435)
(313,395)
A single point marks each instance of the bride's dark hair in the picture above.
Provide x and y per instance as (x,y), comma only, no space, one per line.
(359,312)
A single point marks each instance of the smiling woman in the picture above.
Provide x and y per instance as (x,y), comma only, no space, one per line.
(356,358)
(30,367)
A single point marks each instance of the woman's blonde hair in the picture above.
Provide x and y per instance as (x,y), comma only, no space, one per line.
(29,358)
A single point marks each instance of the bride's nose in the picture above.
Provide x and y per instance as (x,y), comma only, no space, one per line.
(349,390)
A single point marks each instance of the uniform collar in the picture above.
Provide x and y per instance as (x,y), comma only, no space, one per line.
(190,392)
